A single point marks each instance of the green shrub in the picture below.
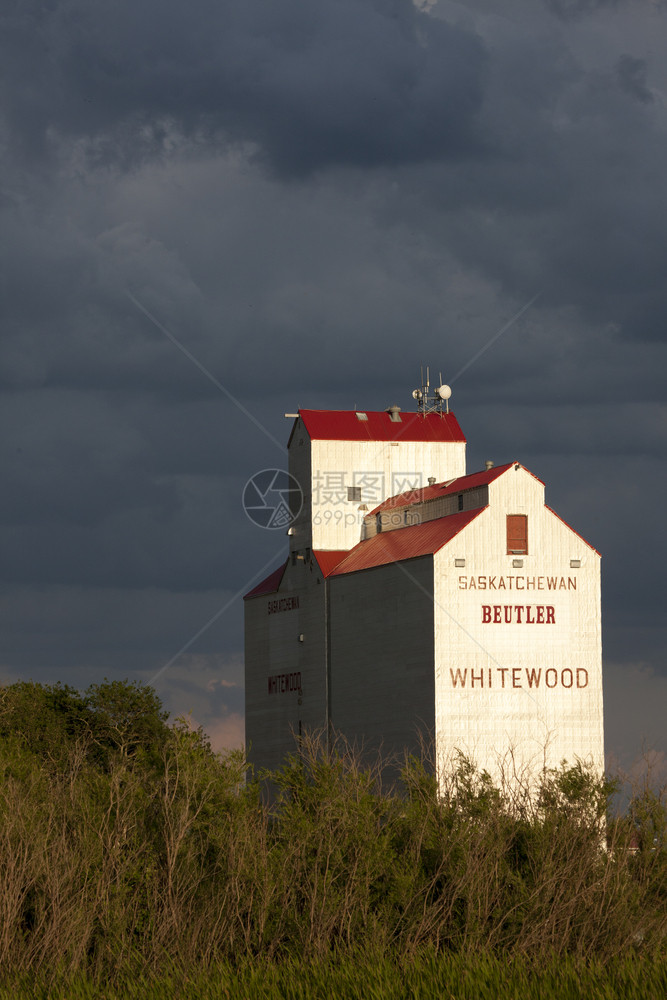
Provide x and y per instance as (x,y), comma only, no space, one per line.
(128,847)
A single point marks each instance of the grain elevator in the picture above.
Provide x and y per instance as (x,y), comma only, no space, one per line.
(420,601)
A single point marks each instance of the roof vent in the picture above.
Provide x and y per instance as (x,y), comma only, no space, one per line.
(394,413)
(488,464)
(362,416)
(431,480)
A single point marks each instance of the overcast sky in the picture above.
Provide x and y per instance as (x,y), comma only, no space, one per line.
(298,203)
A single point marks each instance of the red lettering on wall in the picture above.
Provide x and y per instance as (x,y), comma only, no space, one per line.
(518,614)
(517,582)
(532,677)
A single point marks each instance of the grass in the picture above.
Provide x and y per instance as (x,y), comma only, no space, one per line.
(351,977)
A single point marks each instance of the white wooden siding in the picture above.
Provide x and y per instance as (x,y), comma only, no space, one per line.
(382,468)
(534,725)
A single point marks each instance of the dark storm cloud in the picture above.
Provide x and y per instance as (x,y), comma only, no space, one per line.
(103,493)
(569,9)
(312,84)
(571,162)
(632,78)
(569,197)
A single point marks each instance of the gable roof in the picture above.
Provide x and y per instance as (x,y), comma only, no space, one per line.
(442,489)
(345,425)
(328,559)
(451,486)
(405,543)
(269,585)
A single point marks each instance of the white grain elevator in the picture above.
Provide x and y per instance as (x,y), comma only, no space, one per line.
(419,601)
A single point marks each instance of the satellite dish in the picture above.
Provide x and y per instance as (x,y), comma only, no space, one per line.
(416,394)
(444,391)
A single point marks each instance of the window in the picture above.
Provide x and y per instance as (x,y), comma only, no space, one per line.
(354,493)
(460,501)
(517,534)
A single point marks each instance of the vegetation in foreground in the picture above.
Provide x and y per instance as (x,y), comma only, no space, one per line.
(360,977)
(131,855)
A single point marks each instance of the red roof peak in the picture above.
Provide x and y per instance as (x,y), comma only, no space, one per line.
(370,425)
(405,543)
(328,559)
(459,485)
(269,585)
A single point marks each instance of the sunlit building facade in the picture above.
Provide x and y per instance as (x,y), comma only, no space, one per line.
(419,603)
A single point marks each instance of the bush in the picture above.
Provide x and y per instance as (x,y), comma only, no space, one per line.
(127,844)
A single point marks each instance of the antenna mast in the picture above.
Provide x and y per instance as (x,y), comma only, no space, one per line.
(427,403)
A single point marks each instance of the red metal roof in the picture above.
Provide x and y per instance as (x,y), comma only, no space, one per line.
(405,543)
(328,560)
(453,486)
(269,585)
(345,425)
